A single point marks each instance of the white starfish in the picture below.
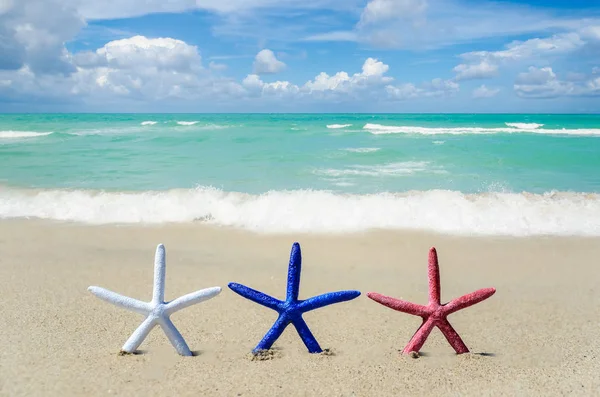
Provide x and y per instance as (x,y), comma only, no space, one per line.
(157,310)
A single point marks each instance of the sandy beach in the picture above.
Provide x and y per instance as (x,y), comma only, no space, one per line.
(538,335)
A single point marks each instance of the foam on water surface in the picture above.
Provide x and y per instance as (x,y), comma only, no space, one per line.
(319,211)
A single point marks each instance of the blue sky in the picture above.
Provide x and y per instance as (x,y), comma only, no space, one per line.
(299,56)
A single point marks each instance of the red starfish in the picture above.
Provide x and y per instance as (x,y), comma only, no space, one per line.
(434,314)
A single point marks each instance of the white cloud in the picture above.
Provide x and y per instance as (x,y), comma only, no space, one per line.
(141,52)
(257,87)
(382,10)
(544,83)
(591,33)
(217,66)
(420,24)
(265,62)
(435,88)
(372,75)
(485,64)
(485,92)
(482,70)
(136,68)
(113,9)
(33,33)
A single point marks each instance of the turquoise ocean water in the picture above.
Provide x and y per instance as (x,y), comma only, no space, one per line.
(465,174)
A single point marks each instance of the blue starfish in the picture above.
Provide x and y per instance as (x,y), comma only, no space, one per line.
(291,310)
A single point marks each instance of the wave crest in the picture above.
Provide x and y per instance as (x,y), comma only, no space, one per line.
(22,134)
(378,129)
(320,211)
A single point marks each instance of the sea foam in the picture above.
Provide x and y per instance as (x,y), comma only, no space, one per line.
(378,129)
(390,169)
(525,126)
(187,122)
(337,126)
(320,211)
(22,134)
(362,149)
(148,122)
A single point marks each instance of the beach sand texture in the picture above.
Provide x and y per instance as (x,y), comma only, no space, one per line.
(538,335)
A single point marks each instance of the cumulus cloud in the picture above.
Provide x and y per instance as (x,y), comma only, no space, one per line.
(544,83)
(265,62)
(138,68)
(435,88)
(33,33)
(257,87)
(484,92)
(372,75)
(141,52)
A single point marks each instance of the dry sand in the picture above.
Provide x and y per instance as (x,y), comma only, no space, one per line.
(538,335)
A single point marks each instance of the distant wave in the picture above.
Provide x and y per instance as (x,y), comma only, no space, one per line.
(22,134)
(379,129)
(148,122)
(187,122)
(391,169)
(525,126)
(362,149)
(320,211)
(337,126)
(214,127)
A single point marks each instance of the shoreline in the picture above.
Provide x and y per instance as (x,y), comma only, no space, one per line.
(538,333)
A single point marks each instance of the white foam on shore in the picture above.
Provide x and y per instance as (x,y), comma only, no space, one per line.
(378,129)
(320,211)
(148,122)
(22,134)
(338,126)
(187,122)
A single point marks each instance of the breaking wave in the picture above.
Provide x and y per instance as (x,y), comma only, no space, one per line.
(148,122)
(319,211)
(337,126)
(525,126)
(379,129)
(362,149)
(22,134)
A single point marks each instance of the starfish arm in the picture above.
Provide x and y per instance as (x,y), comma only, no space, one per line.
(119,300)
(452,337)
(256,296)
(174,336)
(138,336)
(399,305)
(418,340)
(295,266)
(273,334)
(468,300)
(191,299)
(327,299)
(307,337)
(433,272)
(158,292)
